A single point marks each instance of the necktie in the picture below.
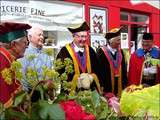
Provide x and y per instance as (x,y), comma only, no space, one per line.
(80,53)
(81,58)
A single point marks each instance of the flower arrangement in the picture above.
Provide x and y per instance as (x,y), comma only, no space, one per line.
(53,103)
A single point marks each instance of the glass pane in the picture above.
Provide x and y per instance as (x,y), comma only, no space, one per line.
(139,18)
(124,16)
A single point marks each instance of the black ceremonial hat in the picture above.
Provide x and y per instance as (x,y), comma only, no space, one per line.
(147,36)
(113,33)
(83,27)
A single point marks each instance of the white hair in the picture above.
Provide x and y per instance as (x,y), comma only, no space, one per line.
(34,27)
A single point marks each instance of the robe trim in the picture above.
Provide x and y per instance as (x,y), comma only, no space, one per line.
(8,56)
(113,69)
(83,69)
(141,74)
(141,69)
(77,71)
(10,101)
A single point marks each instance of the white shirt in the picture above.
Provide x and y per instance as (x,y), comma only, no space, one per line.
(77,49)
(113,51)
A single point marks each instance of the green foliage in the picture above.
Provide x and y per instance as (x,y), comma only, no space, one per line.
(142,101)
(50,74)
(19,98)
(16,66)
(68,65)
(47,107)
(12,113)
(96,99)
(31,76)
(31,57)
(155,61)
(2,111)
(64,77)
(13,70)
(50,82)
(95,104)
(58,64)
(49,51)
(48,111)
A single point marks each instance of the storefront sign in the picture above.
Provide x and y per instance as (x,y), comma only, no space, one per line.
(52,15)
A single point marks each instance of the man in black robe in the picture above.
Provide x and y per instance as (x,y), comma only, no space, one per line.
(114,64)
(84,60)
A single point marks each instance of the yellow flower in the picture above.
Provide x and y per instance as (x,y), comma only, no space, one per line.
(49,51)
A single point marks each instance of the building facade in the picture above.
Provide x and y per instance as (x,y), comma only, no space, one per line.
(102,15)
(135,17)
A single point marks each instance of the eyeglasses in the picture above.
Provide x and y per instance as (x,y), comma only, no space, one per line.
(81,36)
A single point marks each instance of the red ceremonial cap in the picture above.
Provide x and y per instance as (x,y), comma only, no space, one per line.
(11,31)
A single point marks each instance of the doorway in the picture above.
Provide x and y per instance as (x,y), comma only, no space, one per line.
(134,25)
(136,35)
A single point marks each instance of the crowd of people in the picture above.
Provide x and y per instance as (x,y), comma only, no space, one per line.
(106,67)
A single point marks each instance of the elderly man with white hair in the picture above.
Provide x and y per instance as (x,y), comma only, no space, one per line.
(35,48)
(114,66)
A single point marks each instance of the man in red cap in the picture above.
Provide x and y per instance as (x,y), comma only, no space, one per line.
(114,65)
(144,63)
(87,72)
(13,44)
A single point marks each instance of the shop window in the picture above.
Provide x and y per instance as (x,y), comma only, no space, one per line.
(134,25)
(139,18)
(124,16)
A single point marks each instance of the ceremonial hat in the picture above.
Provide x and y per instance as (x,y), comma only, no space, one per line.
(82,27)
(11,31)
(113,33)
(147,36)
